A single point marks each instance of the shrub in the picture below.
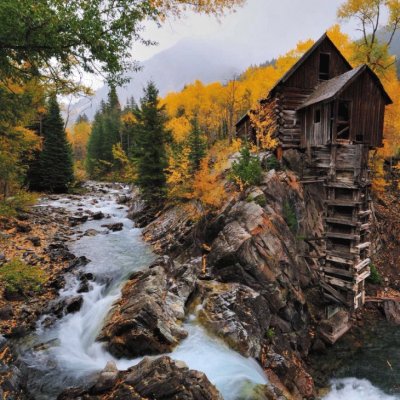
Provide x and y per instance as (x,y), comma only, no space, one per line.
(375,276)
(272,163)
(260,200)
(247,170)
(289,215)
(10,206)
(20,278)
(270,333)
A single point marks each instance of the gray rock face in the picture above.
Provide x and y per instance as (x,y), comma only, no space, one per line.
(158,379)
(392,311)
(147,318)
(176,223)
(237,313)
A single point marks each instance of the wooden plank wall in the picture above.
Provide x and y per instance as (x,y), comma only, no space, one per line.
(367,110)
(307,75)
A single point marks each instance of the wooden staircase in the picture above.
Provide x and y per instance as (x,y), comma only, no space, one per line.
(347,223)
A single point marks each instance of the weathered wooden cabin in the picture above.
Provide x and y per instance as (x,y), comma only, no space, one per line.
(333,114)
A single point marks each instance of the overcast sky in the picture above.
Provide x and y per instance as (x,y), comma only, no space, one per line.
(264,28)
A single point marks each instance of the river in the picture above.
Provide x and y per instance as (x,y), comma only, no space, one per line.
(67,354)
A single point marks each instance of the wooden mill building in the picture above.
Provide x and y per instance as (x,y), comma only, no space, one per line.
(333,114)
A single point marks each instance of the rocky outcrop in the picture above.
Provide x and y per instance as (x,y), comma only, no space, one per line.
(173,230)
(256,286)
(237,313)
(158,379)
(147,318)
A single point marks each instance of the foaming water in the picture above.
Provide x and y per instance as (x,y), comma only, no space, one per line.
(356,389)
(67,354)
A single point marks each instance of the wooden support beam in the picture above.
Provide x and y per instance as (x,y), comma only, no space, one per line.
(363,276)
(340,221)
(364,213)
(339,235)
(338,271)
(342,203)
(339,282)
(339,260)
(333,292)
(362,264)
(363,246)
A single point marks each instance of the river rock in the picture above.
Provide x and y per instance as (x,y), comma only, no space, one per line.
(77,219)
(77,262)
(107,378)
(114,227)
(123,199)
(91,232)
(73,304)
(237,313)
(147,319)
(97,215)
(152,379)
(59,251)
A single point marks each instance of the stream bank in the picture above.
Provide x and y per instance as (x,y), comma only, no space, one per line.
(63,351)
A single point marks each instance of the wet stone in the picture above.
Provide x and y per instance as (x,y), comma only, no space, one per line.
(114,227)
(73,304)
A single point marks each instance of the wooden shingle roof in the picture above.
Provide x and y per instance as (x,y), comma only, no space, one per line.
(331,89)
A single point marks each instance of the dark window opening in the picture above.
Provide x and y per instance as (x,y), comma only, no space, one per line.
(324,63)
(317,116)
(343,120)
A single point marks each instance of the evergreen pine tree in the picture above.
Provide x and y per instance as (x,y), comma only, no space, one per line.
(106,132)
(197,146)
(94,146)
(55,160)
(152,159)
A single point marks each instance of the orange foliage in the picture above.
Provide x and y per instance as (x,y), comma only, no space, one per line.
(209,182)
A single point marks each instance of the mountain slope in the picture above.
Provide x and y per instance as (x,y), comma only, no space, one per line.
(171,69)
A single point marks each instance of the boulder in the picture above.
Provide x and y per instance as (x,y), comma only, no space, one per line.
(147,318)
(152,379)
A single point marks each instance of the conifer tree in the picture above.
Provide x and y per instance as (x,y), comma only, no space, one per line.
(106,132)
(55,167)
(197,146)
(152,134)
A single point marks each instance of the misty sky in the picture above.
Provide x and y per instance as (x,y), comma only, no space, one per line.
(262,28)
